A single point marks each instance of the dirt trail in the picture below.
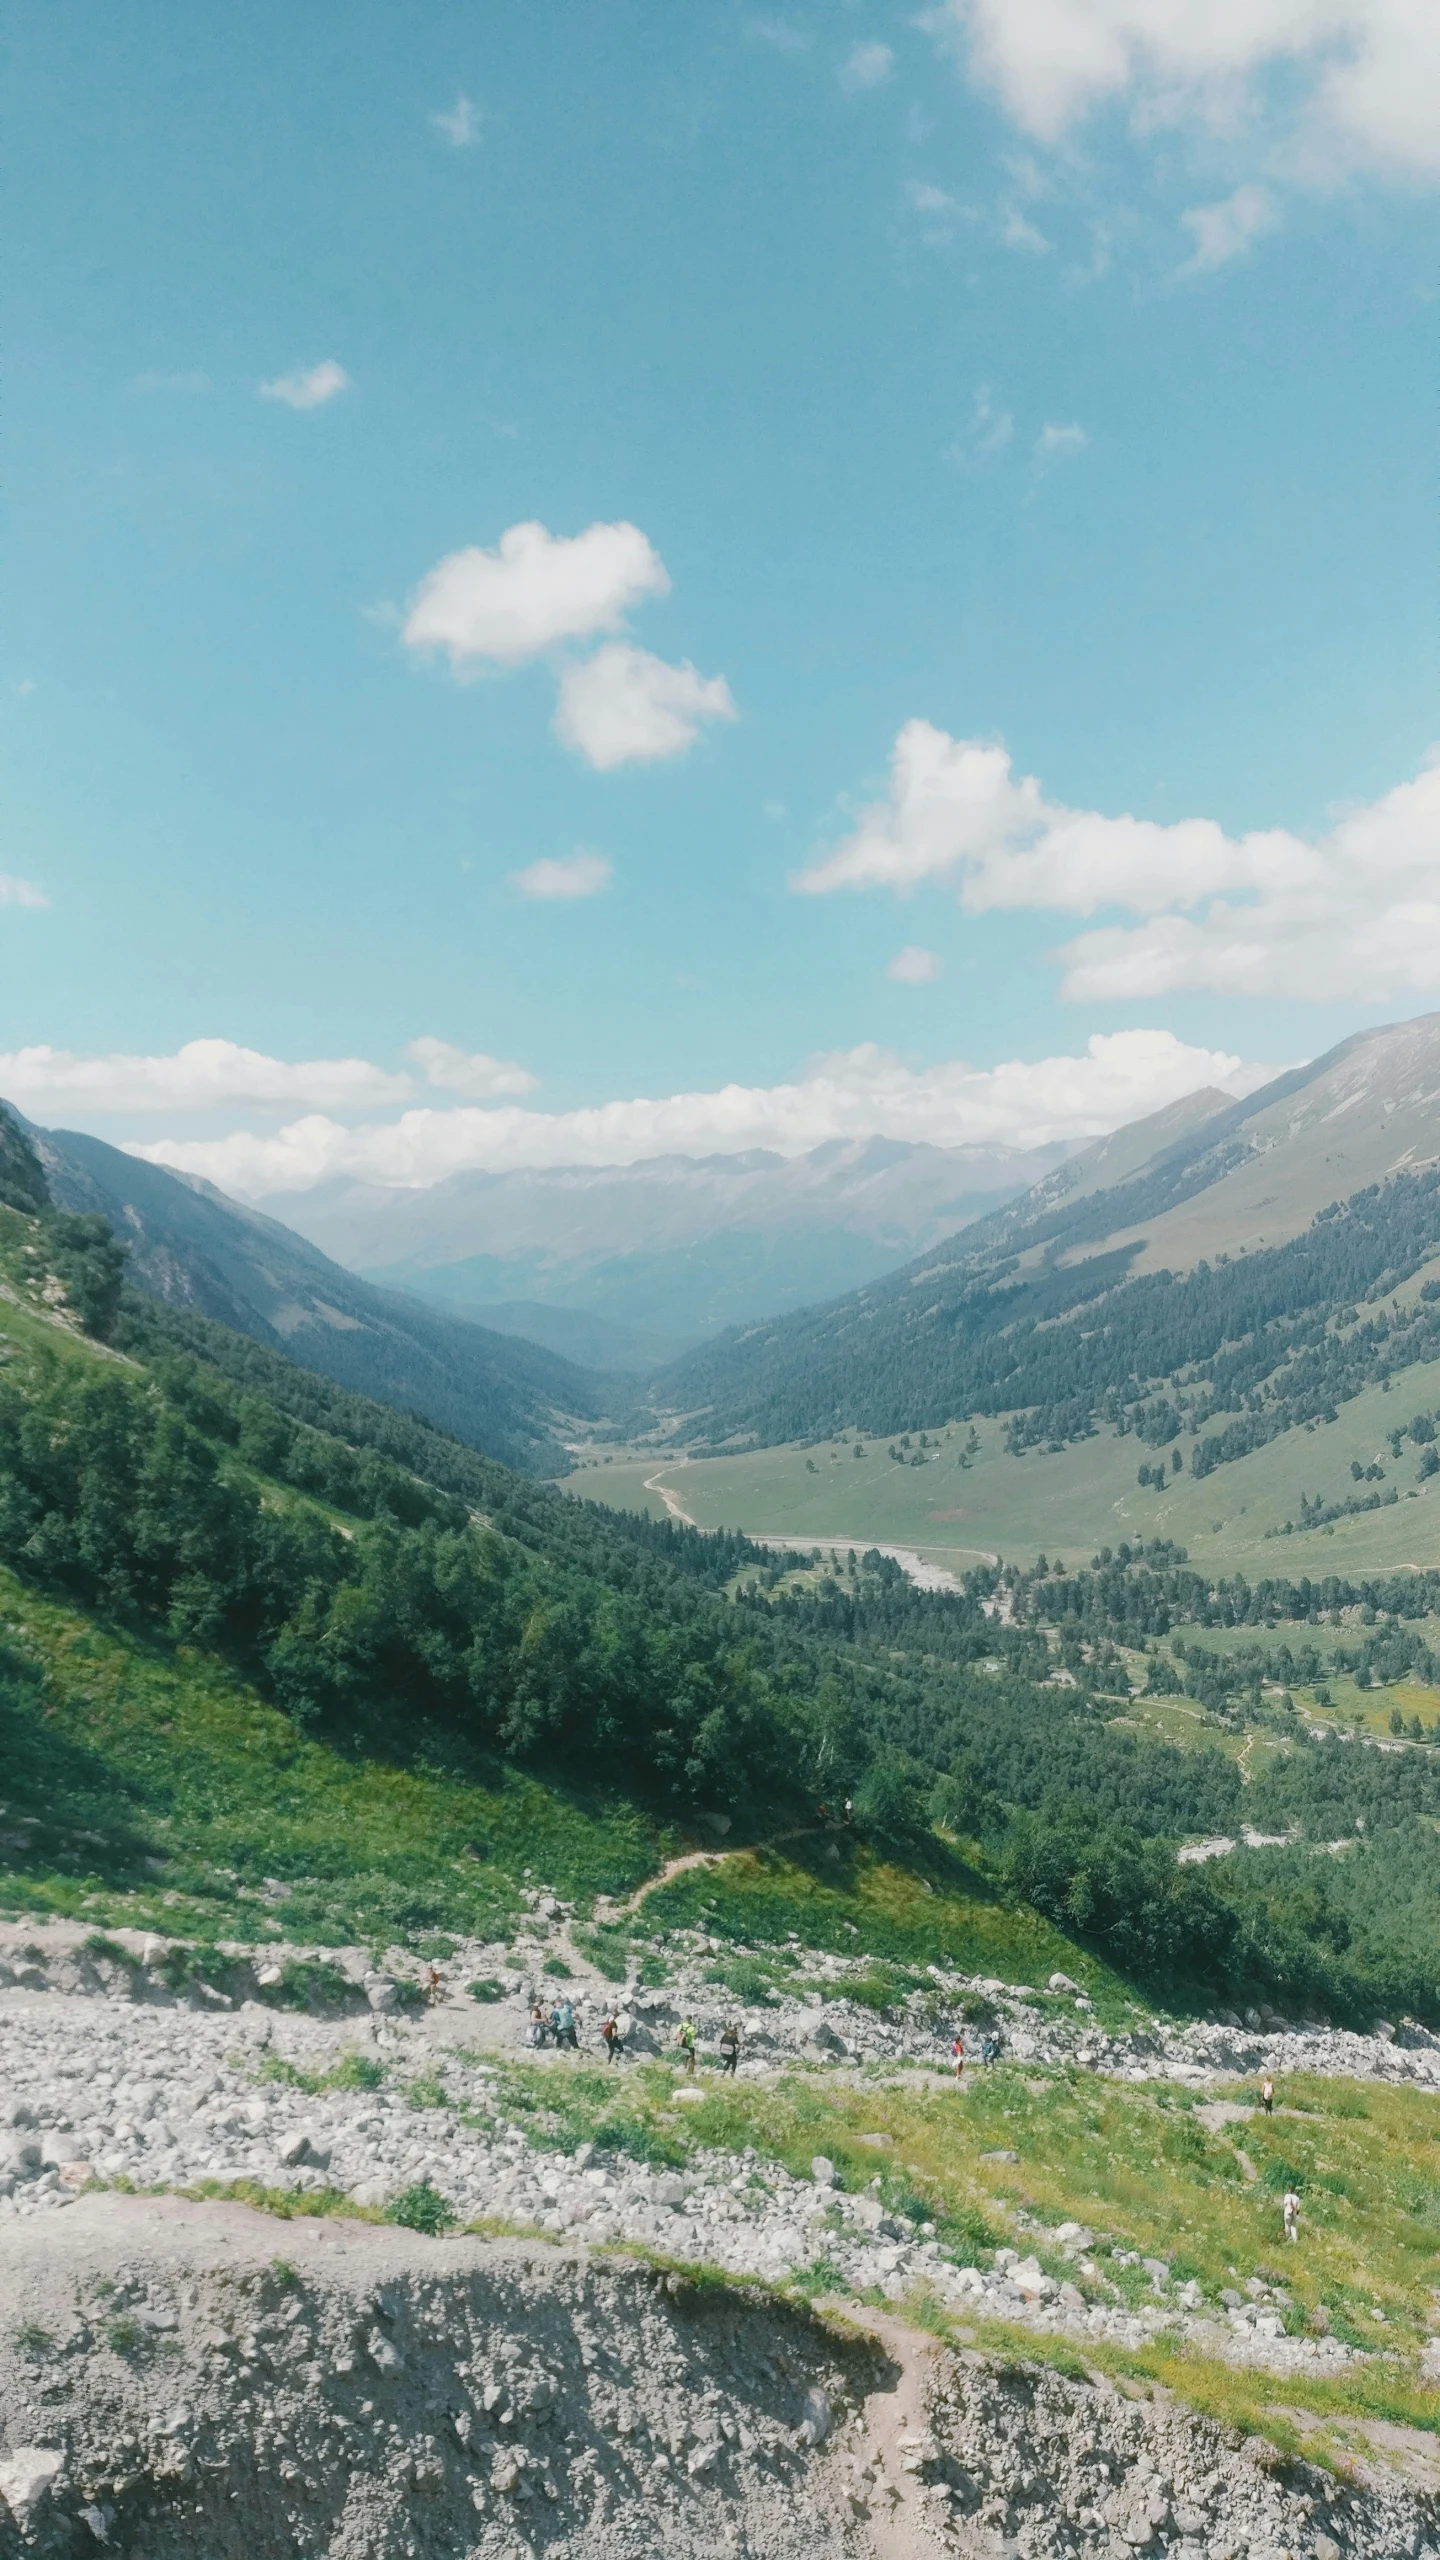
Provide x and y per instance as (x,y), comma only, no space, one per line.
(896,2425)
(673,1504)
(698,1858)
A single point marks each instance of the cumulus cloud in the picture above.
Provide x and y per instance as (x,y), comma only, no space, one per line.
(1052,443)
(573,875)
(914,966)
(866,66)
(859,1093)
(308,390)
(197,1077)
(468,1071)
(459,124)
(1359,77)
(1353,913)
(532,591)
(15,892)
(624,707)
(1225,231)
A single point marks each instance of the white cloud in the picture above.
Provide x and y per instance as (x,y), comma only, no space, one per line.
(778,34)
(989,432)
(624,707)
(459,124)
(468,1071)
(862,1092)
(308,390)
(1225,231)
(922,197)
(914,966)
(1355,80)
(574,875)
(1052,443)
(532,591)
(15,892)
(197,1077)
(866,66)
(1019,232)
(1351,914)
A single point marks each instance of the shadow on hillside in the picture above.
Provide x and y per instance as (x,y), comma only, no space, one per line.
(64,1808)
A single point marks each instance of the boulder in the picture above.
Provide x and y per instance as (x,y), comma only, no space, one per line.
(27,2479)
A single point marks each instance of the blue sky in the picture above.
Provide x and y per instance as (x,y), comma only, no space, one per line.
(959,396)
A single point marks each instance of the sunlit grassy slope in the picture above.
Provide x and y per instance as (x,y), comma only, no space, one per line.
(1138,2168)
(1070,1502)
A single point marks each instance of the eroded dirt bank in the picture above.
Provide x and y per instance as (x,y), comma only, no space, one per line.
(179,2379)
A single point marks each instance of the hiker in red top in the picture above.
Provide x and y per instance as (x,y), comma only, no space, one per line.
(957,2056)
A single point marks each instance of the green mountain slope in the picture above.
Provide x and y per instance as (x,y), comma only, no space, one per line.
(193,1249)
(1062,1315)
(256,1625)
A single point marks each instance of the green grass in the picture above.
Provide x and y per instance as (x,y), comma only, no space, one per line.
(1131,2163)
(1072,1501)
(862,1906)
(162,1787)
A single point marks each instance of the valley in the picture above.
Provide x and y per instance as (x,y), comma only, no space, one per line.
(1072,1499)
(330,1746)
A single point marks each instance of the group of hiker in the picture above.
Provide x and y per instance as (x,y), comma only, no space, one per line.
(987,2050)
(556,2027)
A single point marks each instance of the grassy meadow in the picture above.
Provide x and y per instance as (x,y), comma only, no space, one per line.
(1070,1501)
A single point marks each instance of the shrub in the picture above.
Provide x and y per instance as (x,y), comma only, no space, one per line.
(421,2208)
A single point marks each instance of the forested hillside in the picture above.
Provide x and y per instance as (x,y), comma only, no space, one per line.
(413,1605)
(1268,1341)
(193,1250)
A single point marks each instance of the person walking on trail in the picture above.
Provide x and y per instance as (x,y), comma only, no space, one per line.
(730,2047)
(1267,2094)
(611,2037)
(434,1986)
(1290,2208)
(539,2026)
(957,2056)
(685,2038)
(562,2025)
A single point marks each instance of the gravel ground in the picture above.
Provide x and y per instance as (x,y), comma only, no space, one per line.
(105,2076)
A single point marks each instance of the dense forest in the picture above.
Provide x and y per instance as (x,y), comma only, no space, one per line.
(1268,1340)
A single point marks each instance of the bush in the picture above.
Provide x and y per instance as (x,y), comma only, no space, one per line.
(487,1988)
(421,2208)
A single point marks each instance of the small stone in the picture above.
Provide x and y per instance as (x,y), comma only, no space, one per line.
(822,2170)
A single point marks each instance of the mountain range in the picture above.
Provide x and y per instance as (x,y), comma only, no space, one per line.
(1182,1200)
(623,1266)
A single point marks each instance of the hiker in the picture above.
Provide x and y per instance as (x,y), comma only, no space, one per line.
(611,2037)
(1267,2094)
(539,2026)
(957,2056)
(1290,2208)
(685,2038)
(730,2047)
(434,1986)
(562,2025)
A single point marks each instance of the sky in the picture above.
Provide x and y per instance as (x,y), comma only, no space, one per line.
(599,579)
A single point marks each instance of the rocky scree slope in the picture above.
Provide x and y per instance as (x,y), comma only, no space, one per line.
(107,2076)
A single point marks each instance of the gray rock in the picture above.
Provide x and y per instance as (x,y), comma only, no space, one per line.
(27,2478)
